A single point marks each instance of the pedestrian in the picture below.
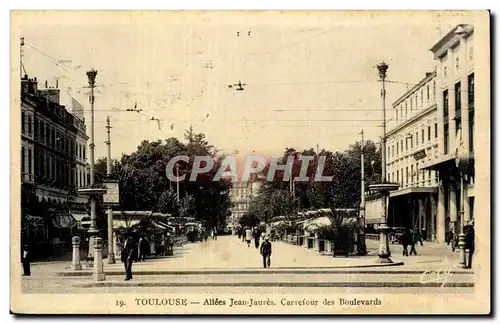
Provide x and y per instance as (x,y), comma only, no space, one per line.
(449,237)
(256,237)
(265,251)
(128,255)
(140,250)
(419,238)
(215,233)
(26,261)
(212,234)
(248,236)
(469,241)
(411,242)
(404,241)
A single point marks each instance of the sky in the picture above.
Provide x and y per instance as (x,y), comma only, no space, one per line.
(310,78)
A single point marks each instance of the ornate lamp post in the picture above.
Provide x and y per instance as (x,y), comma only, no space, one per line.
(95,248)
(462,162)
(383,187)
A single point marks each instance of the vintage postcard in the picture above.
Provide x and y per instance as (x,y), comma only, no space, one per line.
(250,162)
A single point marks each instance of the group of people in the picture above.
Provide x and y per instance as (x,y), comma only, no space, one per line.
(257,235)
(453,239)
(410,238)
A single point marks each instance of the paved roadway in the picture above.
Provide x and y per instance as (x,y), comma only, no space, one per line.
(290,272)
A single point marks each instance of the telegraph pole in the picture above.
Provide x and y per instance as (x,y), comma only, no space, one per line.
(21,53)
(177,171)
(111,253)
(361,217)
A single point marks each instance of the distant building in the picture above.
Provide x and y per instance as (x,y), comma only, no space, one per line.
(240,194)
(49,163)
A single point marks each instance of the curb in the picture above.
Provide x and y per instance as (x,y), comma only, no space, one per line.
(284,284)
(304,271)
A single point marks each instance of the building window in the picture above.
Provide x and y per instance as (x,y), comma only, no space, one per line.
(417,171)
(23,160)
(434,89)
(397,176)
(397,148)
(445,105)
(458,104)
(29,125)
(422,97)
(411,104)
(470,90)
(416,139)
(411,141)
(30,163)
(401,146)
(406,108)
(416,101)
(445,71)
(470,99)
(471,130)
(396,114)
(446,135)
(407,176)
(423,135)
(406,143)
(412,174)
(428,133)
(435,130)
(428,95)
(22,122)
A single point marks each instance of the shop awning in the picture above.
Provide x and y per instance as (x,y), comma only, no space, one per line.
(118,223)
(63,221)
(35,221)
(79,217)
(155,224)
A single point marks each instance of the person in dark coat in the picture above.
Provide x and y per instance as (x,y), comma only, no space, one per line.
(256,237)
(469,241)
(128,256)
(404,242)
(265,251)
(411,242)
(26,261)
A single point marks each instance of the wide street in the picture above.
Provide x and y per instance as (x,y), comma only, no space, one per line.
(213,266)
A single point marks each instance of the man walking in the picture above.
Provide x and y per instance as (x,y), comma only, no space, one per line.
(26,261)
(411,242)
(256,237)
(404,241)
(469,240)
(265,251)
(248,236)
(129,252)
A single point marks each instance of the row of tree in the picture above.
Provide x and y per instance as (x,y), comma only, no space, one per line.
(144,184)
(284,198)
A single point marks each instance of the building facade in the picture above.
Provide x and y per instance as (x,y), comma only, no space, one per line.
(48,169)
(412,140)
(454,55)
(240,195)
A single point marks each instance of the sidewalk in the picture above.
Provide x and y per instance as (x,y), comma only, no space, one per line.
(230,255)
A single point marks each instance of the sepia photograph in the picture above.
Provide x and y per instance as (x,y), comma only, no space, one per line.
(250,162)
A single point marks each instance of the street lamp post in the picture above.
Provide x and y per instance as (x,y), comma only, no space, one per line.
(383,187)
(361,221)
(91,75)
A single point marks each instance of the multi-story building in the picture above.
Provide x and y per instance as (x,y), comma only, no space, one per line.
(412,140)
(240,195)
(48,165)
(454,55)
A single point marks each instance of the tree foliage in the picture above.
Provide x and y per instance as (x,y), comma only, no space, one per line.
(343,191)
